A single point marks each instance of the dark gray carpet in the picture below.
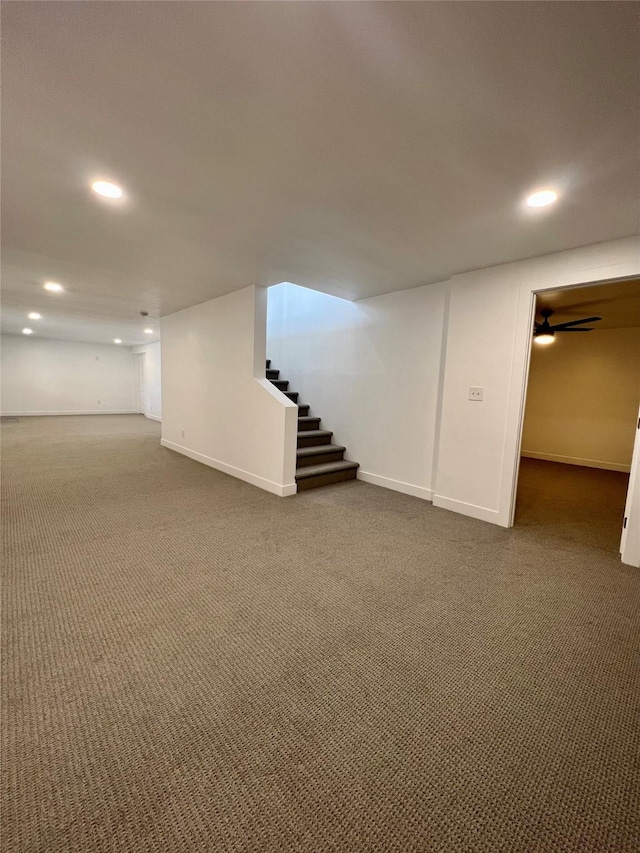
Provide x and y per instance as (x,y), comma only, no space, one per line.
(192,664)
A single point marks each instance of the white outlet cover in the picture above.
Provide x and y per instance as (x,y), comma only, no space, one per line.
(476,393)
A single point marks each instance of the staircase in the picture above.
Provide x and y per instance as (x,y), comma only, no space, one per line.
(319,462)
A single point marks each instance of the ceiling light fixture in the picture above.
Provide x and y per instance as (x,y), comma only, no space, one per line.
(541,198)
(33,315)
(27,331)
(106,189)
(544,339)
(117,341)
(53,286)
(148,331)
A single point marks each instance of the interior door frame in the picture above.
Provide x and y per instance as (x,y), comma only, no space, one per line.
(630,539)
(528,305)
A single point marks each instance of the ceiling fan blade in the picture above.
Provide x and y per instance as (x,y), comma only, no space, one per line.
(588,329)
(566,325)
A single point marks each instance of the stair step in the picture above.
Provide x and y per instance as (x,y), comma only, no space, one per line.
(313,476)
(303,410)
(292,395)
(319,453)
(306,423)
(312,449)
(268,363)
(282,384)
(272,374)
(311,437)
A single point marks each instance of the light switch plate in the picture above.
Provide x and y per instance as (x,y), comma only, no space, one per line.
(475,393)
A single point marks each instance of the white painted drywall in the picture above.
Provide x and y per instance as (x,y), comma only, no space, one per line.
(488,345)
(50,377)
(217,407)
(370,369)
(582,399)
(390,375)
(152,397)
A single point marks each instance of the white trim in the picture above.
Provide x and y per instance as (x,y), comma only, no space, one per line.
(153,417)
(630,539)
(58,414)
(480,512)
(440,392)
(396,485)
(247,476)
(574,460)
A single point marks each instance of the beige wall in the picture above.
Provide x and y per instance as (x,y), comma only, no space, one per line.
(582,399)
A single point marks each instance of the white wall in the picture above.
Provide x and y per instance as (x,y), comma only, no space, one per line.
(488,344)
(370,370)
(582,399)
(217,407)
(48,377)
(391,375)
(152,392)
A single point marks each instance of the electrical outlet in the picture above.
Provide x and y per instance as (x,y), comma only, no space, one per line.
(475,393)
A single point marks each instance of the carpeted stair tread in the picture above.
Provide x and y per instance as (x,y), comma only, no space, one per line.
(320,448)
(325,468)
(314,433)
(307,423)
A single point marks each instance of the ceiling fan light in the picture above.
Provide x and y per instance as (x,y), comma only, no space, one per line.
(544,338)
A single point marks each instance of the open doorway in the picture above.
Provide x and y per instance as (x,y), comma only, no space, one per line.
(581,413)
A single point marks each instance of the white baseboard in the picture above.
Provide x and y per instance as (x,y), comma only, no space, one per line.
(153,417)
(396,485)
(247,476)
(482,513)
(58,414)
(574,460)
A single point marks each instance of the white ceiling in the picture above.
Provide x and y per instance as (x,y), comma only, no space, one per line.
(357,148)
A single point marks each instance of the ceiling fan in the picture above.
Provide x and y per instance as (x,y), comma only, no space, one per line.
(544,332)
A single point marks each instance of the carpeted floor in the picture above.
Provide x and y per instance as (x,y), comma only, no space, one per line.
(192,664)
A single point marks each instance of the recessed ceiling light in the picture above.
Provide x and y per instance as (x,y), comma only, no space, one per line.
(106,189)
(148,331)
(33,315)
(117,341)
(53,286)
(27,331)
(542,198)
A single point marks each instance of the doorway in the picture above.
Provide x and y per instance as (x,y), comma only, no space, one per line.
(580,413)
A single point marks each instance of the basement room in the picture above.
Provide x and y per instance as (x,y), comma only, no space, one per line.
(320,424)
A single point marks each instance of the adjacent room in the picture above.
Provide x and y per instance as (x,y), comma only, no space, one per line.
(310,541)
(581,412)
